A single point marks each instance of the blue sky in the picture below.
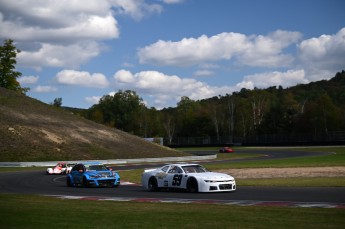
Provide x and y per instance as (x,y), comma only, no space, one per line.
(81,50)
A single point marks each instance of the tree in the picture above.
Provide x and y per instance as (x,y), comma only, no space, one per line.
(57,102)
(8,75)
(122,110)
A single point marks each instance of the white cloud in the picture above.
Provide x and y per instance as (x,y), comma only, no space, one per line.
(92,99)
(203,72)
(323,56)
(44,89)
(73,27)
(124,77)
(266,51)
(28,79)
(172,1)
(262,51)
(51,55)
(82,78)
(64,33)
(269,79)
(62,21)
(164,89)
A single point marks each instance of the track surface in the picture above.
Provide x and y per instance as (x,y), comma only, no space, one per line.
(37,182)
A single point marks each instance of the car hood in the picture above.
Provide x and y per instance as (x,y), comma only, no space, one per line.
(212,176)
(99,173)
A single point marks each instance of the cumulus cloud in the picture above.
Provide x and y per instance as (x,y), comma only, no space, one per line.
(62,21)
(262,51)
(267,51)
(203,72)
(172,1)
(166,88)
(82,78)
(65,33)
(324,55)
(44,89)
(269,79)
(28,79)
(92,99)
(57,33)
(55,55)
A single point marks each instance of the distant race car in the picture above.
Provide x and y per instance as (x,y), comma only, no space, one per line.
(226,150)
(60,168)
(191,177)
(92,174)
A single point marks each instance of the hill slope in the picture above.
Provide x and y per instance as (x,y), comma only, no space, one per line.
(34,131)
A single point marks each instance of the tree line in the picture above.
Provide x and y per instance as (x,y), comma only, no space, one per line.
(316,107)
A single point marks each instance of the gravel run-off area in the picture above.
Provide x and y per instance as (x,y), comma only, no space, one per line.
(338,171)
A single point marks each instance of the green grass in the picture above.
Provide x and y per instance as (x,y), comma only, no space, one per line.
(28,211)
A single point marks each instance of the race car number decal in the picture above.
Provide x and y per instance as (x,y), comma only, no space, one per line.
(177,180)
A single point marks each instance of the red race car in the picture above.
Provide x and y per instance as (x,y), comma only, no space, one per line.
(226,150)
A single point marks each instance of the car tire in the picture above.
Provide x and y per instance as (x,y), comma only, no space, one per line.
(153,184)
(192,185)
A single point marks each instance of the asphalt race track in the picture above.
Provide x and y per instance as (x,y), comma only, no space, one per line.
(37,182)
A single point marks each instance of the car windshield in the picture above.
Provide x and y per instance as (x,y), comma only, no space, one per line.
(194,169)
(96,167)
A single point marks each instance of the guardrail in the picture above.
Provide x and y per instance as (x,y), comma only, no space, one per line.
(111,161)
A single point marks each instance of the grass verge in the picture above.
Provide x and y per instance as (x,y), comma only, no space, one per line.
(28,211)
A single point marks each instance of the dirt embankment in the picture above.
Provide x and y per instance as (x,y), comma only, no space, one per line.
(338,171)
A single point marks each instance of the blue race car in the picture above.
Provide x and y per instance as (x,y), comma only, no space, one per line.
(92,174)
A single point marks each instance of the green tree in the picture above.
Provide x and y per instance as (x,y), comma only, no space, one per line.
(8,75)
(122,110)
(57,102)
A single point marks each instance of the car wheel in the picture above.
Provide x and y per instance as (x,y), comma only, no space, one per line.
(192,185)
(153,185)
(85,183)
(69,182)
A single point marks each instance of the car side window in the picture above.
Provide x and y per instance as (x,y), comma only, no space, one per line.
(165,168)
(179,170)
(173,169)
(79,168)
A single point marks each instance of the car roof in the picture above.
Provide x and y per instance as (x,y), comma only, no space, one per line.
(183,164)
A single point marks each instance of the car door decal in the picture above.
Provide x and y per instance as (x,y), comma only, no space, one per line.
(177,180)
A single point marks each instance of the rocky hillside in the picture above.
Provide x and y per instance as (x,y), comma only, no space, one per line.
(34,131)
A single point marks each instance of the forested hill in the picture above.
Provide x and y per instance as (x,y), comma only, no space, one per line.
(34,131)
(317,108)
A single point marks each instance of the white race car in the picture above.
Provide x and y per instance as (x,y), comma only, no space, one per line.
(191,177)
(60,168)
